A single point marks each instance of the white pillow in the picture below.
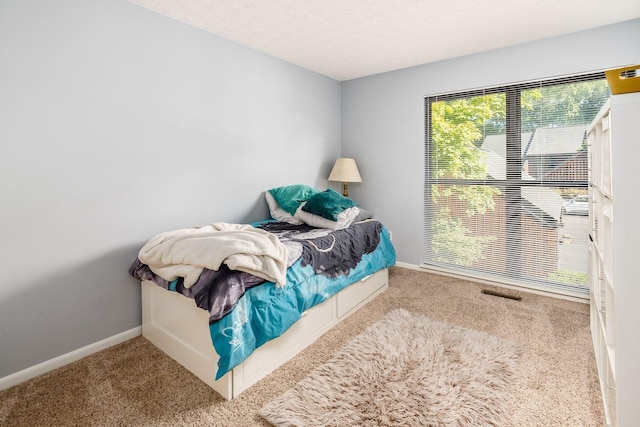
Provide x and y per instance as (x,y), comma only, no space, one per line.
(278,213)
(345,218)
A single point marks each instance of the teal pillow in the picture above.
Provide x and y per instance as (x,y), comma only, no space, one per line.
(328,204)
(290,197)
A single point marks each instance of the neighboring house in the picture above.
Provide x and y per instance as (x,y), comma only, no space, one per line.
(541,202)
(557,154)
(553,154)
(540,221)
(498,144)
(575,168)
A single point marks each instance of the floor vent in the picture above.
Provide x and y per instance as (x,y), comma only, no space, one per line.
(500,294)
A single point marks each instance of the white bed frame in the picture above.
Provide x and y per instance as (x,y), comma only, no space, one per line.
(178,327)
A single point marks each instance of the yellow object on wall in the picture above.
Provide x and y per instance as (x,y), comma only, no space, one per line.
(624,80)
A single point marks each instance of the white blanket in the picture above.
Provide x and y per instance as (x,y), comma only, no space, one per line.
(186,252)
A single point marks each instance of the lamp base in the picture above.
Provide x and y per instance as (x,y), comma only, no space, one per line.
(345,189)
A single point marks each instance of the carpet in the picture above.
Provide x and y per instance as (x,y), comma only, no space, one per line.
(405,370)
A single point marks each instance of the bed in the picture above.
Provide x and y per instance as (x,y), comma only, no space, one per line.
(235,321)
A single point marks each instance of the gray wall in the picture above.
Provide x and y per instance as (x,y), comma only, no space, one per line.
(117,123)
(383,115)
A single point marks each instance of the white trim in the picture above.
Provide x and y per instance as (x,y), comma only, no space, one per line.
(520,82)
(409,266)
(67,358)
(430,269)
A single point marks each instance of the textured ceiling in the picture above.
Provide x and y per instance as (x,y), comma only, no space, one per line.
(346,39)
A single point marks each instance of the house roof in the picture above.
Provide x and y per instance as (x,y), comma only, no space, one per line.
(498,143)
(545,200)
(541,142)
(558,140)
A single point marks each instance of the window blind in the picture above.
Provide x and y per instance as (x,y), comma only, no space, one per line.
(506,176)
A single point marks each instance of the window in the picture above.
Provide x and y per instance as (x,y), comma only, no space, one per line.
(506,182)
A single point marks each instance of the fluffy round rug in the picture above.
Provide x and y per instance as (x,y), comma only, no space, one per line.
(405,370)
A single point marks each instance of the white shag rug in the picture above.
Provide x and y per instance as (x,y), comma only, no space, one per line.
(405,370)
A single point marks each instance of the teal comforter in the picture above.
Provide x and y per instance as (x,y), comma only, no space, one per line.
(328,262)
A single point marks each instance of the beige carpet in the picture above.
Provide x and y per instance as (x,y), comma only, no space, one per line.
(134,384)
(405,370)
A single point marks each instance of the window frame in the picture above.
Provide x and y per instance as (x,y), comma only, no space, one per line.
(511,185)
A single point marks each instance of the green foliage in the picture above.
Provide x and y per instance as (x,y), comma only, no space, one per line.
(497,124)
(452,243)
(571,277)
(479,199)
(563,105)
(457,132)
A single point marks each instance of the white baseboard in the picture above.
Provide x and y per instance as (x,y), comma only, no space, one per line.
(65,359)
(409,266)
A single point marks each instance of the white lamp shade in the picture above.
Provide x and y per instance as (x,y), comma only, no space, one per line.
(345,170)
